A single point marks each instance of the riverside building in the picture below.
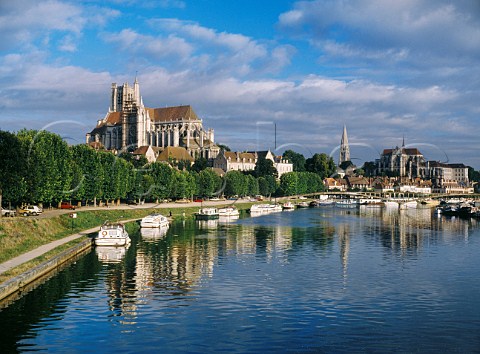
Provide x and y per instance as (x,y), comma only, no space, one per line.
(129,125)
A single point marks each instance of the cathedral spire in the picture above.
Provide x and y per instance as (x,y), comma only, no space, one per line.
(344,147)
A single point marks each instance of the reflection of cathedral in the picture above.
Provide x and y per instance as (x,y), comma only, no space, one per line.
(130,125)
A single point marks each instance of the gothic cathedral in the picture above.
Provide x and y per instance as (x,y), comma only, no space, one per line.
(129,125)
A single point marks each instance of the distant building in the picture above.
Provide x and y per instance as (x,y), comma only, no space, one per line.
(130,125)
(400,162)
(447,178)
(344,147)
(246,161)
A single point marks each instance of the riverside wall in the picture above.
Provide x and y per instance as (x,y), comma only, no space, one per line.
(16,287)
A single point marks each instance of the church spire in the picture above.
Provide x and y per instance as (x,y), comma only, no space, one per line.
(344,147)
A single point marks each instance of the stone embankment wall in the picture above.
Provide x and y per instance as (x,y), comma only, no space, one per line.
(14,288)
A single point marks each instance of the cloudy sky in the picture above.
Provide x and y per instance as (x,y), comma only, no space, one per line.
(387,69)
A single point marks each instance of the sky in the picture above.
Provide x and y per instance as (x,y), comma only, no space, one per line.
(264,74)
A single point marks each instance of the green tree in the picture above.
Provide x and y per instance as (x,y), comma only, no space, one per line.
(369,167)
(12,168)
(90,183)
(209,183)
(321,164)
(295,158)
(264,167)
(289,183)
(163,180)
(48,173)
(252,185)
(473,175)
(235,183)
(200,164)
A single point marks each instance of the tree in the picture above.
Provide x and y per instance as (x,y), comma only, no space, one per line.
(91,180)
(252,185)
(321,164)
(235,183)
(369,168)
(200,164)
(48,158)
(264,167)
(12,168)
(473,175)
(163,180)
(209,183)
(298,160)
(289,183)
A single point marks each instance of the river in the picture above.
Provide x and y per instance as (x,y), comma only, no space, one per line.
(307,281)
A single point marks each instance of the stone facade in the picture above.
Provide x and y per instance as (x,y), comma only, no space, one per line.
(129,125)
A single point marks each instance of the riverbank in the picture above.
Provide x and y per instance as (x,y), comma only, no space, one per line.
(40,242)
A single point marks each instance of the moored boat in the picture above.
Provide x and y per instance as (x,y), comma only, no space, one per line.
(112,234)
(155,221)
(346,203)
(288,206)
(303,205)
(228,211)
(207,214)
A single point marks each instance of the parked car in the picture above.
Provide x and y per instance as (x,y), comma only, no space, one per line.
(30,210)
(8,212)
(67,205)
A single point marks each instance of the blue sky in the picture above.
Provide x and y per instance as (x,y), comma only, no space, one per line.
(387,69)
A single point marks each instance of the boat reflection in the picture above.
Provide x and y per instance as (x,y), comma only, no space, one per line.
(111,254)
(152,234)
(207,224)
(228,219)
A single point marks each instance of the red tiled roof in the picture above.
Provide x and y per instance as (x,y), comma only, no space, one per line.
(169,114)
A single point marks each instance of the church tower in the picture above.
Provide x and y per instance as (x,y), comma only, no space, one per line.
(344,148)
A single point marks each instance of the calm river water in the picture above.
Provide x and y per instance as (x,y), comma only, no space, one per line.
(308,281)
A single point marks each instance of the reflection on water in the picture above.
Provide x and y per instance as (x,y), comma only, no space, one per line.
(153,233)
(111,253)
(313,280)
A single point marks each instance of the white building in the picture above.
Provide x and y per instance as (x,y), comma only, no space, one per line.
(246,161)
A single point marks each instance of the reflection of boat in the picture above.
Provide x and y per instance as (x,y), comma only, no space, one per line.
(208,224)
(228,219)
(207,214)
(153,233)
(112,234)
(154,220)
(110,253)
(288,206)
(228,211)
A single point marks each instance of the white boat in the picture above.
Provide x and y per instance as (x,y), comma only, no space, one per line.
(303,205)
(288,206)
(155,221)
(228,211)
(265,208)
(112,234)
(372,202)
(346,203)
(207,214)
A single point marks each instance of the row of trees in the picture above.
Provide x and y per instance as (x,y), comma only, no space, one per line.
(39,167)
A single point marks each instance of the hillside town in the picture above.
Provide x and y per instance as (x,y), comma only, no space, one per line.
(176,134)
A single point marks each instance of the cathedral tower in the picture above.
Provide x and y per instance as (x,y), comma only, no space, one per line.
(344,148)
